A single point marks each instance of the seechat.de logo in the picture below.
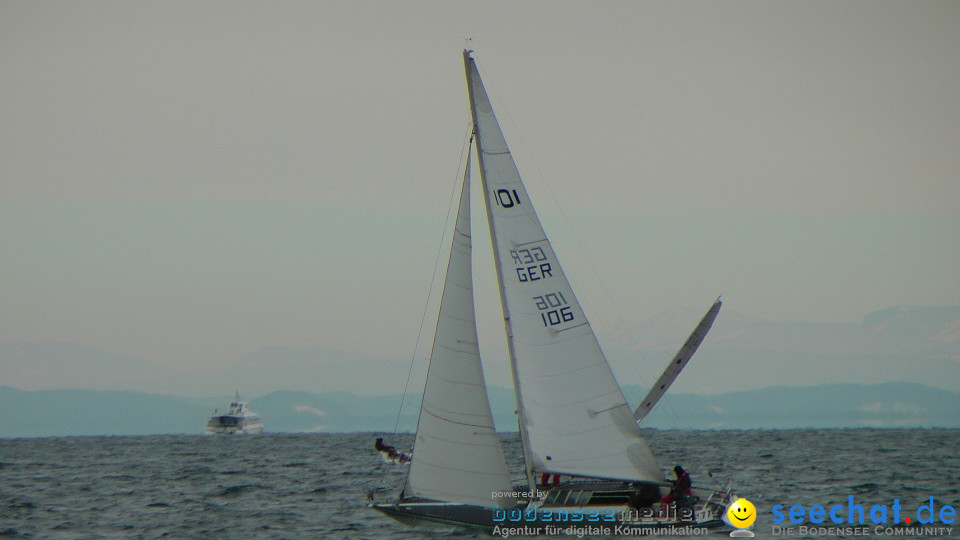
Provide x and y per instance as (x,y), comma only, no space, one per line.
(852,519)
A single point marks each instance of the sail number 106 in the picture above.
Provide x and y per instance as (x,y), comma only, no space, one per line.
(553,308)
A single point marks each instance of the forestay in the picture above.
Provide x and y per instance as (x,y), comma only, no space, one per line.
(574,417)
(457,455)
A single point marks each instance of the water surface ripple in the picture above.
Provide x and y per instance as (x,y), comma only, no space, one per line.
(314,485)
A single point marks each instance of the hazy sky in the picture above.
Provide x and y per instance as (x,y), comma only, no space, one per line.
(190,181)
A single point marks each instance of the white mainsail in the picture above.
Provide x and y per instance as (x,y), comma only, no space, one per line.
(573,414)
(457,455)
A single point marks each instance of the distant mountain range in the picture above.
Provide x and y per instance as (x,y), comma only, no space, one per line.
(912,344)
(88,412)
(774,374)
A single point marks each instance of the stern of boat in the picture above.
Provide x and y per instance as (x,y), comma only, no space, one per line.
(427,513)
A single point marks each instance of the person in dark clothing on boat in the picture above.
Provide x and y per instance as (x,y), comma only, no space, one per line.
(385,449)
(391,453)
(680,488)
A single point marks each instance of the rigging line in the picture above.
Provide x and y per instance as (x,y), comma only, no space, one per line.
(634,342)
(426,306)
(433,280)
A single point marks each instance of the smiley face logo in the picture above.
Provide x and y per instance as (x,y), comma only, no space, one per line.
(742,514)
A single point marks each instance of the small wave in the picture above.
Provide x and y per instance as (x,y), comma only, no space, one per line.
(865,488)
(188,471)
(158,504)
(347,527)
(10,532)
(16,504)
(233,491)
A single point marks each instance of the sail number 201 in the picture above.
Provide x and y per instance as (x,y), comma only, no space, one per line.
(553,308)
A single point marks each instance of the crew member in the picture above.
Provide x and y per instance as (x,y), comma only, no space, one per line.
(680,488)
(386,449)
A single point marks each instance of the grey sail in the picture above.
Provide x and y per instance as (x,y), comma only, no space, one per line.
(457,455)
(677,364)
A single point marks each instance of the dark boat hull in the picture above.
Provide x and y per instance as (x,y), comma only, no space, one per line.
(458,515)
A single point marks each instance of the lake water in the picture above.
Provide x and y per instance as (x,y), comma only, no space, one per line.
(314,485)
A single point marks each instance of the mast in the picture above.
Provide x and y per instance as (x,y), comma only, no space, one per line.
(524,437)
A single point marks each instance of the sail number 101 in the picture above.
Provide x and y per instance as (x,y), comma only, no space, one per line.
(553,308)
(507,198)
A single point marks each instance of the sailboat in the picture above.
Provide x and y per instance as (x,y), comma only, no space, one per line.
(574,421)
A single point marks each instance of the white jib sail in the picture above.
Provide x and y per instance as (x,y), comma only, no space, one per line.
(577,420)
(457,455)
(677,364)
